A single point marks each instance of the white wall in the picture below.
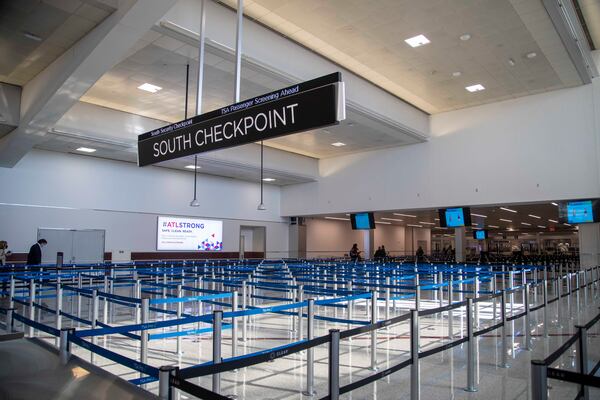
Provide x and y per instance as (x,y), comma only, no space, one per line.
(536,148)
(47,189)
(390,236)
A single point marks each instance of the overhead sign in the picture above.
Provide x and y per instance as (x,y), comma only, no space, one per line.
(308,105)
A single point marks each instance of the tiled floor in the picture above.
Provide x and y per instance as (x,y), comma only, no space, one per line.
(443,375)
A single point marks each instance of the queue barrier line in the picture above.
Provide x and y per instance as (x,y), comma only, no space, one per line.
(191,298)
(188,332)
(111,355)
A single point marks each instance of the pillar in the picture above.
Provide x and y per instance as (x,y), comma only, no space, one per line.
(459,244)
(368,243)
(589,245)
(297,241)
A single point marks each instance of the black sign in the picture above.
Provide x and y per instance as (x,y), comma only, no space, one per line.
(298,108)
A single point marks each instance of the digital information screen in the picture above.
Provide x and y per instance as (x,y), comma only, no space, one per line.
(455,217)
(579,212)
(480,235)
(189,234)
(363,221)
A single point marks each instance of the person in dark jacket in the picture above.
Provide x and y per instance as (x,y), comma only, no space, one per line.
(35,252)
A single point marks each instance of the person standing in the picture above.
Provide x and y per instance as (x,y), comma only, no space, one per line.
(4,252)
(35,252)
(354,253)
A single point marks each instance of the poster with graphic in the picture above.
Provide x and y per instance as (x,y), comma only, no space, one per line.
(189,234)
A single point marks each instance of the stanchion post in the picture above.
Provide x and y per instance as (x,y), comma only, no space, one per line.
(334,364)
(374,331)
(582,355)
(144,334)
(300,312)
(31,304)
(64,345)
(11,294)
(94,320)
(503,345)
(527,316)
(350,303)
(470,348)
(59,295)
(418,297)
(441,288)
(216,344)
(9,320)
(105,302)
(234,324)
(539,380)
(179,312)
(387,298)
(415,379)
(450,312)
(511,296)
(244,307)
(310,354)
(545,294)
(476,281)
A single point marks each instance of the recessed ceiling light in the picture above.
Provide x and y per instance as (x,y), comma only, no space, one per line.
(338,144)
(505,220)
(478,215)
(338,219)
(456,74)
(554,204)
(475,88)
(405,215)
(534,216)
(417,41)
(566,224)
(552,220)
(32,36)
(507,209)
(493,226)
(148,87)
(193,167)
(541,226)
(525,223)
(415,226)
(436,219)
(383,222)
(465,37)
(86,149)
(531,55)
(426,223)
(269,179)
(392,219)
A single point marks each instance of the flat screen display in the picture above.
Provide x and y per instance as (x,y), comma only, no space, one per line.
(362,221)
(455,217)
(579,211)
(480,234)
(189,234)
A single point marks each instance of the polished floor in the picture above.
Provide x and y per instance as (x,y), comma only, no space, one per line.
(443,375)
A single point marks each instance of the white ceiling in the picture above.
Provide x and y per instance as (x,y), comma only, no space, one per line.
(367,37)
(58,24)
(161,60)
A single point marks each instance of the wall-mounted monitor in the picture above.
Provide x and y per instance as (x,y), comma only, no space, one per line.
(362,221)
(189,234)
(455,217)
(480,234)
(579,211)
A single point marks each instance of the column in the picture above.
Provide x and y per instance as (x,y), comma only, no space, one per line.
(589,245)
(297,241)
(368,243)
(459,244)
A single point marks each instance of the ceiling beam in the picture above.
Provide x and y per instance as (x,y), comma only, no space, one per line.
(47,97)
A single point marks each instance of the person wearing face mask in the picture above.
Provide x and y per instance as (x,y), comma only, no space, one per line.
(35,252)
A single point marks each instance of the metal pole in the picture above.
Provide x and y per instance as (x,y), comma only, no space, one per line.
(527,317)
(334,364)
(200,80)
(350,303)
(374,331)
(143,333)
(179,312)
(164,385)
(11,295)
(503,362)
(244,307)
(415,379)
(234,325)
(539,380)
(310,355)
(477,303)
(59,295)
(217,326)
(511,296)
(470,349)
(105,302)
(94,319)
(31,303)
(238,49)
(545,294)
(418,297)
(583,358)
(300,313)
(9,320)
(450,312)
(441,288)
(64,345)
(387,298)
